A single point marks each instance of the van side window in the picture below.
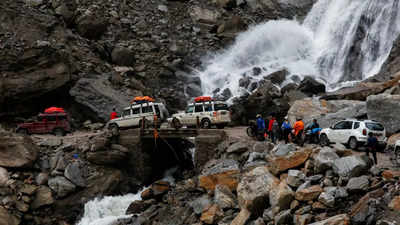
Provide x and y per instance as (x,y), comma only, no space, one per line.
(126,112)
(190,109)
(208,108)
(220,106)
(198,108)
(356,125)
(147,109)
(135,111)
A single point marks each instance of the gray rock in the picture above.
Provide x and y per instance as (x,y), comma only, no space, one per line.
(310,86)
(376,171)
(295,178)
(204,15)
(315,178)
(327,182)
(224,198)
(123,56)
(255,186)
(277,77)
(337,192)
(61,186)
(163,8)
(283,149)
(220,166)
(385,109)
(43,196)
(17,151)
(74,173)
(92,24)
(324,160)
(303,210)
(350,166)
(200,204)
(358,184)
(238,147)
(256,156)
(268,215)
(284,217)
(42,178)
(98,94)
(263,146)
(3,177)
(327,199)
(305,185)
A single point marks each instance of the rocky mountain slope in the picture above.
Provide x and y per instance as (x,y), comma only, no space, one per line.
(50,48)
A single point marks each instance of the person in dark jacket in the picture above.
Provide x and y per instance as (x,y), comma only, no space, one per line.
(372,144)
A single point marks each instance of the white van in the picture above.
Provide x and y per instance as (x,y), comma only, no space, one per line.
(134,115)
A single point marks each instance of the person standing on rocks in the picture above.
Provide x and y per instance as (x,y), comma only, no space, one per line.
(260,127)
(113,114)
(286,130)
(372,143)
(298,128)
(275,130)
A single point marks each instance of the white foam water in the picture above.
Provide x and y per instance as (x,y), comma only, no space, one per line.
(320,47)
(107,210)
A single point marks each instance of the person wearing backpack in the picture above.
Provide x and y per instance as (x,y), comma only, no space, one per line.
(286,130)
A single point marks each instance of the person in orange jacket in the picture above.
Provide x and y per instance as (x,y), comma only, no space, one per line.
(298,129)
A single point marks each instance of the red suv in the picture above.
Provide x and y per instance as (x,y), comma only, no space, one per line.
(56,123)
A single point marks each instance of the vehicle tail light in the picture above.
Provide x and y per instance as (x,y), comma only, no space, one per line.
(364,132)
(155,118)
(214,114)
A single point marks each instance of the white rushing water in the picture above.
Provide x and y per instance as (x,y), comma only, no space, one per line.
(320,47)
(107,210)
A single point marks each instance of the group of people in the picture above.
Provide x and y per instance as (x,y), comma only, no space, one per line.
(285,131)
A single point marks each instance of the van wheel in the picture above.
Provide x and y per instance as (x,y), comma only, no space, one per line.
(206,124)
(58,132)
(324,140)
(353,144)
(22,131)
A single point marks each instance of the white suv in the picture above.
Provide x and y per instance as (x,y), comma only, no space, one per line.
(209,113)
(353,132)
(133,115)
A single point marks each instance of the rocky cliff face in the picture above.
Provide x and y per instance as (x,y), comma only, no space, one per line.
(147,47)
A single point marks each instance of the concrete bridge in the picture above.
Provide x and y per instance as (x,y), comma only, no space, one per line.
(150,155)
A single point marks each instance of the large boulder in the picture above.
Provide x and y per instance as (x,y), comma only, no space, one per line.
(357,184)
(61,186)
(225,172)
(385,108)
(281,196)
(31,65)
(326,112)
(64,8)
(350,166)
(224,198)
(123,56)
(324,160)
(98,94)
(364,211)
(75,174)
(254,188)
(308,194)
(292,160)
(92,24)
(43,196)
(17,151)
(311,87)
(3,177)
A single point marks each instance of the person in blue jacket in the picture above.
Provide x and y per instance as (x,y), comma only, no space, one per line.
(286,130)
(260,123)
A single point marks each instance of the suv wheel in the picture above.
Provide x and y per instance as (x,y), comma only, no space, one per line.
(22,131)
(324,140)
(58,132)
(205,124)
(353,144)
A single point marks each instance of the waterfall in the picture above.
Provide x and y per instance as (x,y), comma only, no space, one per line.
(339,42)
(107,210)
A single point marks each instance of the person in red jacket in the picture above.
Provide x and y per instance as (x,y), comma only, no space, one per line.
(114,114)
